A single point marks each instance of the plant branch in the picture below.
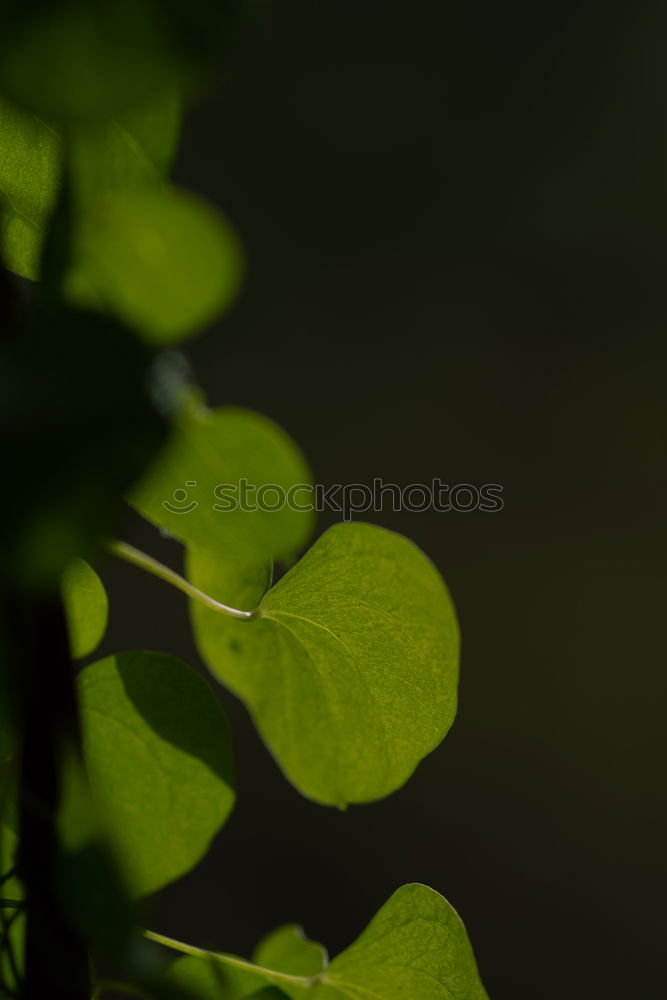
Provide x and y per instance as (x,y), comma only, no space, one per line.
(231,960)
(150,565)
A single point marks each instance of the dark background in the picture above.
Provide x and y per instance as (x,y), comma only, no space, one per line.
(455,217)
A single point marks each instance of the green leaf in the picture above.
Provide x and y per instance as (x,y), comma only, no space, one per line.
(30,171)
(86,607)
(213,448)
(288,950)
(157,751)
(415,947)
(350,670)
(162,260)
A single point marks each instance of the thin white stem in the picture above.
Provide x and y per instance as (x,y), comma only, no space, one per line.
(145,562)
(231,960)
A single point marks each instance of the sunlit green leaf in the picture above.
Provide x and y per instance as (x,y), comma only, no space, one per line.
(157,751)
(86,607)
(350,672)
(201,473)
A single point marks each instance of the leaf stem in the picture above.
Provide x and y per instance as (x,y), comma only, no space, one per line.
(231,960)
(150,565)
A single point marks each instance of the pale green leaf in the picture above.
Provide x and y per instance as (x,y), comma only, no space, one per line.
(350,670)
(157,751)
(86,607)
(162,260)
(211,449)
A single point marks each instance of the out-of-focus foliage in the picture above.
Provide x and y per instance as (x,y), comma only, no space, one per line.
(223,484)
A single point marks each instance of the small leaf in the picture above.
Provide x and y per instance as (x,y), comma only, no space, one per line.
(86,607)
(350,671)
(415,947)
(162,260)
(288,950)
(157,751)
(210,449)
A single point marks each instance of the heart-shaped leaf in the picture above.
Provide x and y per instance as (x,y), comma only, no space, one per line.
(349,670)
(86,607)
(198,489)
(157,751)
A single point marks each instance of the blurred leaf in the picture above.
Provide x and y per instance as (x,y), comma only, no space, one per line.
(130,151)
(157,750)
(162,260)
(288,950)
(86,607)
(210,980)
(73,59)
(416,946)
(350,671)
(223,447)
(30,171)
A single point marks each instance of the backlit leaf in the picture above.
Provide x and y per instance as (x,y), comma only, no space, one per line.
(350,670)
(157,751)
